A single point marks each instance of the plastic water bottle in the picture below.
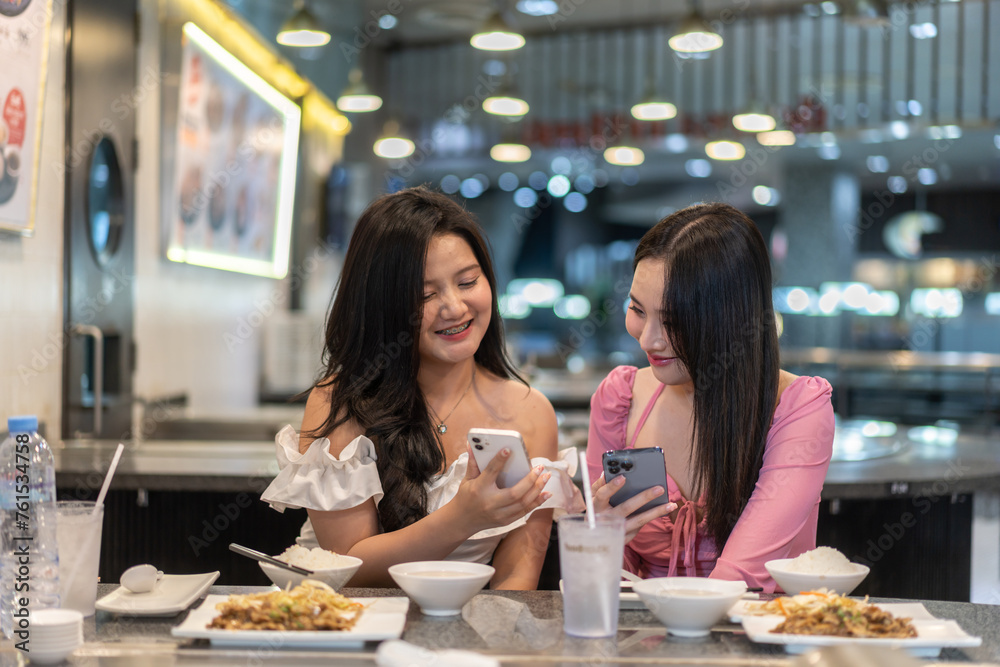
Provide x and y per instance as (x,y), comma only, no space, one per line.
(29,560)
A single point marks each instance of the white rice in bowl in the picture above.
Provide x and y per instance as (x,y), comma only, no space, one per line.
(311,559)
(821,560)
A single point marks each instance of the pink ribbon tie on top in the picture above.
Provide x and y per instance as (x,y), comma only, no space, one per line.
(686,529)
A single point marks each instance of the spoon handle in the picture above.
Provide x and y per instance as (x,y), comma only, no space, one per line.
(256,555)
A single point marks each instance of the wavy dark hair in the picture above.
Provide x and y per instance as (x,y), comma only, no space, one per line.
(371,356)
(720,321)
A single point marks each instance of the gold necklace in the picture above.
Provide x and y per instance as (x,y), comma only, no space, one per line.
(442,429)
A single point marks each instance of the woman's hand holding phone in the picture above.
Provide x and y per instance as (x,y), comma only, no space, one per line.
(485,505)
(602,493)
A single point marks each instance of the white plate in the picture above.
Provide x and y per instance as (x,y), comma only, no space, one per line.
(932,634)
(383,618)
(173,594)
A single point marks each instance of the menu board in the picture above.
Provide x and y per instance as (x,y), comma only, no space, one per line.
(24,30)
(234,170)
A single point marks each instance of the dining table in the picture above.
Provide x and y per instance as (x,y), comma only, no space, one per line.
(522,628)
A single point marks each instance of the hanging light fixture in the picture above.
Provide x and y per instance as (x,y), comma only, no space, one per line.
(695,35)
(510,152)
(302,29)
(392,144)
(356,96)
(624,156)
(868,13)
(497,35)
(754,118)
(725,150)
(654,108)
(505,105)
(776,138)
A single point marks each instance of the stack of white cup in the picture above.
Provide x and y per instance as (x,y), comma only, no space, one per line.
(54,634)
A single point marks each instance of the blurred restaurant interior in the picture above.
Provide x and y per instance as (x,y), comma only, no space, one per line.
(195,182)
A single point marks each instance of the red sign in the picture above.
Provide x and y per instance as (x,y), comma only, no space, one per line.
(15,115)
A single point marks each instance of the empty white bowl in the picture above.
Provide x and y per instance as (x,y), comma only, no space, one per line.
(55,633)
(794,583)
(441,587)
(335,577)
(689,606)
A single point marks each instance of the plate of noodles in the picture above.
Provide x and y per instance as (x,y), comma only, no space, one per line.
(311,615)
(823,618)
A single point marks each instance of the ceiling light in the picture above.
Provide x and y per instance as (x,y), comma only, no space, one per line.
(725,150)
(538,7)
(695,36)
(877,164)
(356,97)
(776,138)
(654,109)
(510,153)
(497,35)
(393,145)
(302,29)
(868,13)
(624,156)
(504,105)
(754,119)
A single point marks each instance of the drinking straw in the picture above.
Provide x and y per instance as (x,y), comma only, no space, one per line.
(587,495)
(89,540)
(107,479)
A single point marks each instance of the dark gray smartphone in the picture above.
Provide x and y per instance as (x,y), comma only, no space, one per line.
(643,468)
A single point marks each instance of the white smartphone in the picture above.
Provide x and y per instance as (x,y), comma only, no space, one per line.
(487,443)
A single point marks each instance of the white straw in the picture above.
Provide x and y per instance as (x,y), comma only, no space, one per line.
(587,496)
(107,479)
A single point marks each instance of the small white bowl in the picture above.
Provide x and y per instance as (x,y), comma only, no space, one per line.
(334,577)
(794,583)
(441,587)
(689,606)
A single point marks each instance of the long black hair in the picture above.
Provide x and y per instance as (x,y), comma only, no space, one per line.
(371,354)
(720,321)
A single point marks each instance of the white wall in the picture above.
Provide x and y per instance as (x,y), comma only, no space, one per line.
(31,276)
(198,331)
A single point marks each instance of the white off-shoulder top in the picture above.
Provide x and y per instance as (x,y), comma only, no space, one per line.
(318,480)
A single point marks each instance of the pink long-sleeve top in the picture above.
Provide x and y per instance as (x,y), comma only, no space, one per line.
(779,520)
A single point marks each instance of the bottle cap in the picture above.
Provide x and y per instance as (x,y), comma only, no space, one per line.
(24,424)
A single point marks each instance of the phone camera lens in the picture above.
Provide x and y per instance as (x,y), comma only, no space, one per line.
(614,469)
(479,447)
(627,465)
(477,440)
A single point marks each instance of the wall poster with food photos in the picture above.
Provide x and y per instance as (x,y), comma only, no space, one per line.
(24,32)
(235,165)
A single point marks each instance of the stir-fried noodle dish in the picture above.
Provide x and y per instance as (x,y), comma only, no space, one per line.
(312,605)
(824,613)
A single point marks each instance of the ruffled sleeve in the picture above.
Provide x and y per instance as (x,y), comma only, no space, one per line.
(609,408)
(319,480)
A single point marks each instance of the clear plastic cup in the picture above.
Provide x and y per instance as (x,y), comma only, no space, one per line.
(590,563)
(78,532)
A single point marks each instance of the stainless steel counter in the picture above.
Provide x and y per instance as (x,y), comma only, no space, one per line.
(517,628)
(917,461)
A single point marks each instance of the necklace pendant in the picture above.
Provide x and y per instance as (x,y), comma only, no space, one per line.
(442,429)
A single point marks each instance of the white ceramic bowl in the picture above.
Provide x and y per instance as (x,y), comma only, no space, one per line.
(441,587)
(689,606)
(794,583)
(335,577)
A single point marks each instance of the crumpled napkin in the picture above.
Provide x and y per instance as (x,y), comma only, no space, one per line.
(397,653)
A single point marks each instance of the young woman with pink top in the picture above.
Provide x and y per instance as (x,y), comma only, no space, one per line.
(747,445)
